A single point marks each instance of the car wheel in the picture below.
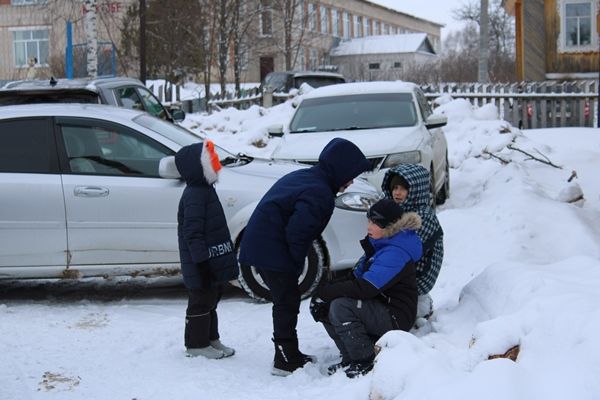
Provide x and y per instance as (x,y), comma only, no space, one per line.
(312,273)
(443,194)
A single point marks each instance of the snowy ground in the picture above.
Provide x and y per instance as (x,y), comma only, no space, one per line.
(522,268)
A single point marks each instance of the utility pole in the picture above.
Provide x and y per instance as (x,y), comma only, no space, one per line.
(484,42)
(143,41)
(91,38)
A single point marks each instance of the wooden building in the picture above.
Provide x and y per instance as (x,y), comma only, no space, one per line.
(556,39)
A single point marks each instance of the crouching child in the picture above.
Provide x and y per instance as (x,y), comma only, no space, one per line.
(381,294)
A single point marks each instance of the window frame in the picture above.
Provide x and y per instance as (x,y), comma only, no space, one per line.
(31,29)
(563,47)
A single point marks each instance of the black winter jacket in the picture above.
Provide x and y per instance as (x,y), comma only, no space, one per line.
(297,209)
(205,248)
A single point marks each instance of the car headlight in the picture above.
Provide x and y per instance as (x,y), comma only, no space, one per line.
(407,157)
(354,201)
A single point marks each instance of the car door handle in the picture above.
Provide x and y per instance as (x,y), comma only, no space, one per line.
(90,191)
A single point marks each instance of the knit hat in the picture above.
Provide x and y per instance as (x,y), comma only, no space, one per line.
(385,212)
(398,180)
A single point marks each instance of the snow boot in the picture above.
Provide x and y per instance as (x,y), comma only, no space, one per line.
(332,369)
(228,351)
(207,352)
(288,358)
(359,368)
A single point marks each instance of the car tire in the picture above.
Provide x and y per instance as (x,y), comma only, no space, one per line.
(312,273)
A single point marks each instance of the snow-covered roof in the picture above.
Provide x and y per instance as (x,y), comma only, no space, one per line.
(384,44)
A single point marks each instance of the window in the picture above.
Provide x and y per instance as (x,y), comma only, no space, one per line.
(151,103)
(578,26)
(99,148)
(335,22)
(28,43)
(397,64)
(27,146)
(376,28)
(129,98)
(312,17)
(346,25)
(324,19)
(27,2)
(266,18)
(314,59)
(357,26)
(385,28)
(367,27)
(374,65)
(357,112)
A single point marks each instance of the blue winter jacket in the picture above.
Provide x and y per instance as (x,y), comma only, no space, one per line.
(387,271)
(296,209)
(205,249)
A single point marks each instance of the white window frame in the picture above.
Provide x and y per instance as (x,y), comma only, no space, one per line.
(346,25)
(366,25)
(27,2)
(32,29)
(562,38)
(312,17)
(357,25)
(324,20)
(335,22)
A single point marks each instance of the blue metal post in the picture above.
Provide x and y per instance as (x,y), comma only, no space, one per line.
(69,50)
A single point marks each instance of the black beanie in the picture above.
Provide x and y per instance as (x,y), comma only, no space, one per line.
(398,180)
(385,212)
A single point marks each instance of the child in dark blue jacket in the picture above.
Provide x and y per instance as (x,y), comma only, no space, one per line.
(205,248)
(382,293)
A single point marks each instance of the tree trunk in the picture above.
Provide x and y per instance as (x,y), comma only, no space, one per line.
(484,42)
(91,38)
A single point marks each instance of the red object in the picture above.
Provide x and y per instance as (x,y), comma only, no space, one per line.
(586,109)
(529,110)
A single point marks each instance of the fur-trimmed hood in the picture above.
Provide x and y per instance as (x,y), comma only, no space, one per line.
(198,163)
(408,221)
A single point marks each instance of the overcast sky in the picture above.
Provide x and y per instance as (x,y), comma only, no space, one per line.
(439,11)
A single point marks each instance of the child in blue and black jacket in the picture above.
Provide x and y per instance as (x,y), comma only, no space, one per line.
(382,293)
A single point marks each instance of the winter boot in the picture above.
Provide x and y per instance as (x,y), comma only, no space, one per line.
(208,352)
(359,368)
(228,351)
(332,369)
(288,358)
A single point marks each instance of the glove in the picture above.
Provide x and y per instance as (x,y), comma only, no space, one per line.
(319,309)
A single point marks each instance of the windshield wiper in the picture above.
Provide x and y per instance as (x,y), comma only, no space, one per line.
(348,128)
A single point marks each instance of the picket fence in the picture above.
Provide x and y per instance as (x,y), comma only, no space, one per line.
(524,104)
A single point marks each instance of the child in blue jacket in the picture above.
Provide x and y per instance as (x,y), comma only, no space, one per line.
(382,293)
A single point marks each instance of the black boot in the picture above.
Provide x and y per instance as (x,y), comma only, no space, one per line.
(358,368)
(288,358)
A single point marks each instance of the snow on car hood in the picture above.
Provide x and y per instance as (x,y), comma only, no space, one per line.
(372,142)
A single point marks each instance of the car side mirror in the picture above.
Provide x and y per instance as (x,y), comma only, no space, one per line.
(177,114)
(167,168)
(436,121)
(275,130)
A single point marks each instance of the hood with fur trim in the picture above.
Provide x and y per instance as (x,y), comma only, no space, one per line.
(198,163)
(408,221)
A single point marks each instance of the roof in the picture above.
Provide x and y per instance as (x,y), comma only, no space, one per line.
(85,83)
(344,89)
(385,44)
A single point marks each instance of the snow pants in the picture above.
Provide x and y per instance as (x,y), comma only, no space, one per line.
(285,294)
(201,321)
(355,326)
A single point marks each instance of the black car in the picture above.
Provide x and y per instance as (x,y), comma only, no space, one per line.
(285,81)
(120,92)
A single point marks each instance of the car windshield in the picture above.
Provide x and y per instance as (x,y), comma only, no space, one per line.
(276,79)
(316,81)
(167,129)
(184,138)
(350,112)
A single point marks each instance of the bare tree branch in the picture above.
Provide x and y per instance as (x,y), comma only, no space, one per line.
(545,159)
